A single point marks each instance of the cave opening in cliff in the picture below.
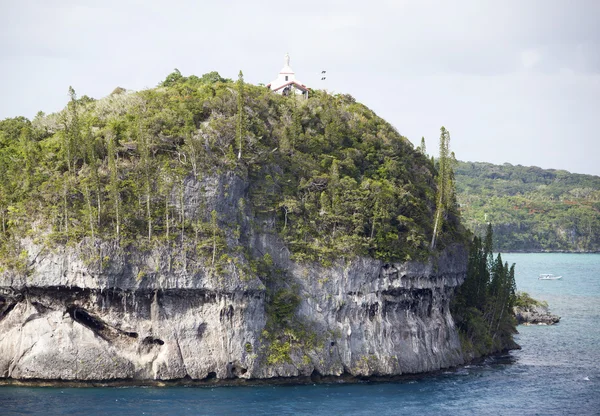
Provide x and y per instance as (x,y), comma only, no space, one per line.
(8,308)
(84,318)
(315,376)
(150,340)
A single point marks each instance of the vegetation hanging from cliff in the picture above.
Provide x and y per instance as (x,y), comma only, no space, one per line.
(533,209)
(483,306)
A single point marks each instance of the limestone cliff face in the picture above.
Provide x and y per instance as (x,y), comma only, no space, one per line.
(151,315)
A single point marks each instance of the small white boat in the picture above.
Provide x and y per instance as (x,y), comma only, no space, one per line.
(549,277)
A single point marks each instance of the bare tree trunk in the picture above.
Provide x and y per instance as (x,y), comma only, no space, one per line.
(89,204)
(182,212)
(435,226)
(148,213)
(167,215)
(66,213)
(98,203)
(375,209)
(214,250)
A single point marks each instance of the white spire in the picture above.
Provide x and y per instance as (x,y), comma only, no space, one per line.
(287,69)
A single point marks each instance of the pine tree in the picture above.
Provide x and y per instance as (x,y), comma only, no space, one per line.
(72,131)
(445,188)
(215,229)
(484,302)
(422,148)
(114,181)
(144,151)
(241,117)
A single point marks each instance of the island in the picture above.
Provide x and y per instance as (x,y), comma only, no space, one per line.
(209,229)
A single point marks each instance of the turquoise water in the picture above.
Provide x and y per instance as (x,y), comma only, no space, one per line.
(556,373)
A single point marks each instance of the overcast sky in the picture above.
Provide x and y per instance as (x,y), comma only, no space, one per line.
(513,81)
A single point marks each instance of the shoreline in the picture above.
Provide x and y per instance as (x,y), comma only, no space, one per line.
(240,382)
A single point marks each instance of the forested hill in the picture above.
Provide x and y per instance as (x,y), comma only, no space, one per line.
(531,209)
(336,179)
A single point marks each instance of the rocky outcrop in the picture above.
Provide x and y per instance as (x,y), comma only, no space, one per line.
(106,313)
(535,315)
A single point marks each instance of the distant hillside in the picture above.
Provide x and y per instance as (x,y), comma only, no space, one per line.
(532,209)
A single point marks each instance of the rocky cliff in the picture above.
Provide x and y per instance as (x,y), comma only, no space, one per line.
(63,322)
(212,230)
(143,315)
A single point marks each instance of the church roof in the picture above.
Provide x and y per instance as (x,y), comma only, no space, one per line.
(296,83)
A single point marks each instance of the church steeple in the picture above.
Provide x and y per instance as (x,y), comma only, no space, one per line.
(287,69)
(286,82)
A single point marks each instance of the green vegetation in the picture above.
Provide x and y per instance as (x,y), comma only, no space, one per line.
(338,180)
(285,333)
(523,300)
(532,209)
(483,306)
(446,199)
(326,174)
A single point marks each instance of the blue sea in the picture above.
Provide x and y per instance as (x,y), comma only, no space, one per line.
(557,371)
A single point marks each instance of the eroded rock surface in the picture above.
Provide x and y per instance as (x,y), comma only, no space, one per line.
(159,315)
(535,315)
(374,318)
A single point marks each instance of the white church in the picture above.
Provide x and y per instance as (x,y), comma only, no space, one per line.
(286,82)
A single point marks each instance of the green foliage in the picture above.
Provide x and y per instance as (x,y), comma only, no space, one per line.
(240,131)
(533,209)
(173,78)
(523,300)
(343,182)
(282,306)
(483,306)
(337,180)
(446,201)
(176,79)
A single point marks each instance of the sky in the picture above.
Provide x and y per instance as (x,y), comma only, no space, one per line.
(513,81)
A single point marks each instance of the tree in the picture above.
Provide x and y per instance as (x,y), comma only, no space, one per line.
(422,148)
(173,78)
(27,150)
(482,307)
(445,188)
(143,139)
(241,117)
(211,78)
(289,206)
(113,186)
(215,229)
(72,131)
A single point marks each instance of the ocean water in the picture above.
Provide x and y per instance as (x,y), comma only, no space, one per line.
(557,372)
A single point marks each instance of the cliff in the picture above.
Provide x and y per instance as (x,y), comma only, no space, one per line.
(68,319)
(369,318)
(137,244)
